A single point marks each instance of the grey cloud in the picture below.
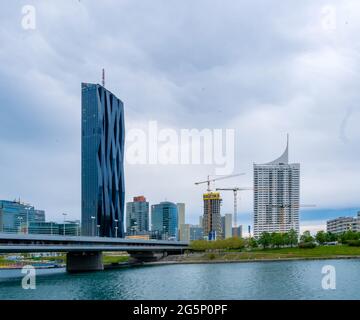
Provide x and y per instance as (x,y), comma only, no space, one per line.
(264,68)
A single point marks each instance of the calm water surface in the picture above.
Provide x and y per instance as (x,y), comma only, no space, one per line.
(255,280)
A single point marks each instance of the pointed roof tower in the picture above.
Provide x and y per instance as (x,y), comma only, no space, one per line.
(284,158)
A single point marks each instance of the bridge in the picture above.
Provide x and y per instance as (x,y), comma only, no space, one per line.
(85,253)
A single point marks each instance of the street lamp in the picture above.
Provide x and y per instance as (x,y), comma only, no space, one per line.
(64,214)
(134,228)
(27,220)
(164,234)
(93,225)
(116,228)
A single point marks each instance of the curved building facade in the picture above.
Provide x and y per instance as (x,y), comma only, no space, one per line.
(102,162)
(276,196)
(164,219)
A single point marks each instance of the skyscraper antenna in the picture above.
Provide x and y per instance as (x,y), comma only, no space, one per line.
(103,77)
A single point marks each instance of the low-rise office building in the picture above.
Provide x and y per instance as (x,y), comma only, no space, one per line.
(16,216)
(196,232)
(343,224)
(69,228)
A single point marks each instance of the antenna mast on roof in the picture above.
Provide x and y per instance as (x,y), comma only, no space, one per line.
(103,77)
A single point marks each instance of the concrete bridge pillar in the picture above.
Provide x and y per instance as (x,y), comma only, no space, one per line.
(84,261)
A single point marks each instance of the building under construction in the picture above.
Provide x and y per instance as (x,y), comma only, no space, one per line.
(212,217)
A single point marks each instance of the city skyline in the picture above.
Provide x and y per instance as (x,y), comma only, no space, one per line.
(299,93)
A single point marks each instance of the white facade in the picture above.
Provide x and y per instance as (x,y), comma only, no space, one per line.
(184,234)
(181,216)
(227,225)
(201,221)
(276,196)
(343,224)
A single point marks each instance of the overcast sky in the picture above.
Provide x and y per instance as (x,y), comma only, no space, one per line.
(263,68)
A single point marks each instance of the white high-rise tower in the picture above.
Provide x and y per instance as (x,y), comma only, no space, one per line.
(276,195)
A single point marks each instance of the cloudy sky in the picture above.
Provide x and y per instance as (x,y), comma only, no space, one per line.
(263,68)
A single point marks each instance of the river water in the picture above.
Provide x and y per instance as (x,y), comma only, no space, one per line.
(252,280)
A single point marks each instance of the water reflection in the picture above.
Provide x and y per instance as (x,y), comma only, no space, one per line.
(253,280)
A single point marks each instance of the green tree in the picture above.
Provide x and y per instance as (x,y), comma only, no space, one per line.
(321,237)
(277,239)
(349,235)
(252,243)
(306,237)
(234,243)
(293,238)
(330,237)
(265,239)
(286,238)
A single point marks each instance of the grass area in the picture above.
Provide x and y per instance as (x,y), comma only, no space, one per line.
(5,262)
(281,253)
(320,251)
(109,259)
(50,259)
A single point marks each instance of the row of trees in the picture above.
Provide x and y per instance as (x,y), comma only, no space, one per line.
(226,244)
(277,239)
(322,237)
(291,239)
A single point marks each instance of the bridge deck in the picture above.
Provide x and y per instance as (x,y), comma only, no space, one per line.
(47,243)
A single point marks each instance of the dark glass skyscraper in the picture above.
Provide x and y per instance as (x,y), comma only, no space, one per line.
(102,158)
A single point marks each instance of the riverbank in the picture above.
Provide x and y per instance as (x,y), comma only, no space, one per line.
(57,262)
(260,255)
(113,261)
(204,261)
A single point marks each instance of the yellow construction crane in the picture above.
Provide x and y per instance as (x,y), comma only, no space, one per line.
(208,181)
(235,191)
(208,221)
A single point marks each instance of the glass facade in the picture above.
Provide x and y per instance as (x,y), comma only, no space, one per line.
(196,233)
(50,228)
(102,158)
(164,219)
(69,228)
(16,217)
